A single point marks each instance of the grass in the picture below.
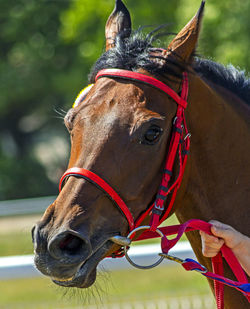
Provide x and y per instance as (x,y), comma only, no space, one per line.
(114,287)
(16,243)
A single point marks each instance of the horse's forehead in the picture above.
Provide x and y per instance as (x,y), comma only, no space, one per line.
(113,99)
(123,92)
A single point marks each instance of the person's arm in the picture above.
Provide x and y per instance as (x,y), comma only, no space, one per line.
(237,242)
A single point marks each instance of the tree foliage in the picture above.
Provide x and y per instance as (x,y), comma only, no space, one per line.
(47,49)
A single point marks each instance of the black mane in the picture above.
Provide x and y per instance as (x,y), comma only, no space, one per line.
(228,77)
(137,51)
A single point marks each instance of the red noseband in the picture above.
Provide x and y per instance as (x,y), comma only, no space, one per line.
(102,185)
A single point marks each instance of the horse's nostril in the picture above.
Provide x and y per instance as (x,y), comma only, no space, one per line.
(69,247)
(71,244)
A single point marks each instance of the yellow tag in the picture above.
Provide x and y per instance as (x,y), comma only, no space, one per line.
(82,95)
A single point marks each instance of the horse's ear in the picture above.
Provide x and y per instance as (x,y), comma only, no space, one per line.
(119,22)
(184,44)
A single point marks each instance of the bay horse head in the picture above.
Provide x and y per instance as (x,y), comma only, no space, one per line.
(120,132)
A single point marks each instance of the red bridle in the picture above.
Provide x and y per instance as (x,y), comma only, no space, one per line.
(179,145)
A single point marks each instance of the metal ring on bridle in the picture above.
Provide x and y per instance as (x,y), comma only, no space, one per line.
(144,227)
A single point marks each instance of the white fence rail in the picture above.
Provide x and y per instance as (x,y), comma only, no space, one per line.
(12,267)
(25,206)
(22,266)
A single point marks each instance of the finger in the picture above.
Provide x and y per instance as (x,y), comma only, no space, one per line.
(209,252)
(211,249)
(210,239)
(215,222)
(220,226)
(222,231)
(214,243)
(211,245)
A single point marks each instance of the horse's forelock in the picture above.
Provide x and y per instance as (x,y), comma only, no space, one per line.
(137,52)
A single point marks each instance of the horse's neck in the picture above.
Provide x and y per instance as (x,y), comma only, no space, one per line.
(217,180)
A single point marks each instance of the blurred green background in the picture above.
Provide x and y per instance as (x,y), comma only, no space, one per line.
(47,49)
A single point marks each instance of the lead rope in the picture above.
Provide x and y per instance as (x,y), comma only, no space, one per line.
(241,285)
(217,265)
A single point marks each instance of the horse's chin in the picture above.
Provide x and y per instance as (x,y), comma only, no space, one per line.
(85,276)
(82,279)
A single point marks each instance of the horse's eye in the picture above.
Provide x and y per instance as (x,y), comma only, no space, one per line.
(152,135)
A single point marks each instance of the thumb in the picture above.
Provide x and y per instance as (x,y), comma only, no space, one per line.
(221,230)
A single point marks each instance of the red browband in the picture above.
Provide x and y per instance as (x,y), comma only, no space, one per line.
(142,78)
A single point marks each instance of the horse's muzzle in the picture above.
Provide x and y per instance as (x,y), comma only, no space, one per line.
(62,255)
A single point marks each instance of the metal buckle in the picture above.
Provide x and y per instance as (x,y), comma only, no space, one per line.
(144,227)
(161,208)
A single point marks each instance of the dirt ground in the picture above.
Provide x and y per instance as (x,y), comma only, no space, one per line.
(14,224)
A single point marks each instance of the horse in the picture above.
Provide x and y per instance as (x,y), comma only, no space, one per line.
(120,131)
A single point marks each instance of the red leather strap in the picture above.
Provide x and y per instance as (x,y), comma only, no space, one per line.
(178,144)
(233,263)
(142,78)
(217,265)
(104,186)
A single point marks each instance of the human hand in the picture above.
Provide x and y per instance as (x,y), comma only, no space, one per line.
(222,234)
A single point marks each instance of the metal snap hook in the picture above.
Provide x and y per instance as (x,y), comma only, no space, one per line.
(176,259)
(126,248)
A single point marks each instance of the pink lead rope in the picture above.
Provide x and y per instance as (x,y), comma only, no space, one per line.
(179,147)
